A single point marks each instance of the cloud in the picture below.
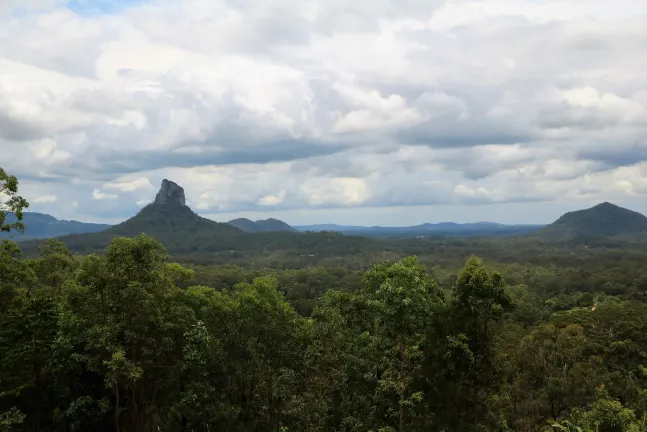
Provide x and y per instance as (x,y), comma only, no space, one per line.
(125,185)
(44,199)
(98,195)
(321,104)
(272,200)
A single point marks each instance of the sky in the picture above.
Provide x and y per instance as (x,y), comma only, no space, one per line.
(368,112)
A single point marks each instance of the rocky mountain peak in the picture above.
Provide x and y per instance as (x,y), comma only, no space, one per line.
(170,194)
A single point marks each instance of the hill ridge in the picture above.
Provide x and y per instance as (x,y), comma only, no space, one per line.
(42,225)
(602,220)
(261,225)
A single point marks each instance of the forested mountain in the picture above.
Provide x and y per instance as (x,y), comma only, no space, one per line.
(602,220)
(245,225)
(168,219)
(42,226)
(266,225)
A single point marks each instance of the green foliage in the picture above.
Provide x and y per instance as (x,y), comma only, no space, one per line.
(11,202)
(604,414)
(10,420)
(320,332)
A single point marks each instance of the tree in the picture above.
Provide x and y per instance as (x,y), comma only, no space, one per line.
(27,334)
(11,202)
(555,371)
(405,299)
(605,414)
(122,326)
(461,354)
(56,264)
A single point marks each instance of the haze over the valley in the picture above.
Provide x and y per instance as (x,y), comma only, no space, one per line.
(383,112)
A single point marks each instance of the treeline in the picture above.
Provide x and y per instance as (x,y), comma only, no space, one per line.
(125,342)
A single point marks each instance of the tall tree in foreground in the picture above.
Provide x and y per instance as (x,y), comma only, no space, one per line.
(461,363)
(405,299)
(10,202)
(122,334)
(15,275)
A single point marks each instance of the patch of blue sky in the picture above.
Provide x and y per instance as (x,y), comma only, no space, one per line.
(100,7)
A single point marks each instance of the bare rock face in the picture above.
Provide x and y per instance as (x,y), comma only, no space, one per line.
(170,194)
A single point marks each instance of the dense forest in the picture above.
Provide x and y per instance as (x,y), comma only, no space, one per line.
(396,336)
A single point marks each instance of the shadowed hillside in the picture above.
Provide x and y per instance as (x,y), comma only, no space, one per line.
(266,225)
(602,220)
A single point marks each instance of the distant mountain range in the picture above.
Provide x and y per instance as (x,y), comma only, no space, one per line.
(169,218)
(42,226)
(428,229)
(183,232)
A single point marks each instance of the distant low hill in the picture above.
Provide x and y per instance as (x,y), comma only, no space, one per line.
(602,220)
(449,229)
(42,226)
(266,225)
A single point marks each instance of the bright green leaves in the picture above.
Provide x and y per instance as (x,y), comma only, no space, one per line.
(10,202)
(604,414)
(371,343)
(480,293)
(404,298)
(121,372)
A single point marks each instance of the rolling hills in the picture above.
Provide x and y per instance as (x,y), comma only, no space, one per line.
(442,229)
(184,232)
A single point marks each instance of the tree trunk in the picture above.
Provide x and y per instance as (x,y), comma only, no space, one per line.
(117,408)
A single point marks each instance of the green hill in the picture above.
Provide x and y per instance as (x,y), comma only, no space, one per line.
(245,225)
(602,220)
(266,225)
(168,219)
(179,228)
(274,225)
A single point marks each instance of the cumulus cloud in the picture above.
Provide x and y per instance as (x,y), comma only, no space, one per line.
(322,104)
(44,199)
(98,195)
(126,185)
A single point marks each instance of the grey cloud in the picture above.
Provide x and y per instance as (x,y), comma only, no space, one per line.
(17,130)
(612,155)
(240,82)
(452,135)
(104,163)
